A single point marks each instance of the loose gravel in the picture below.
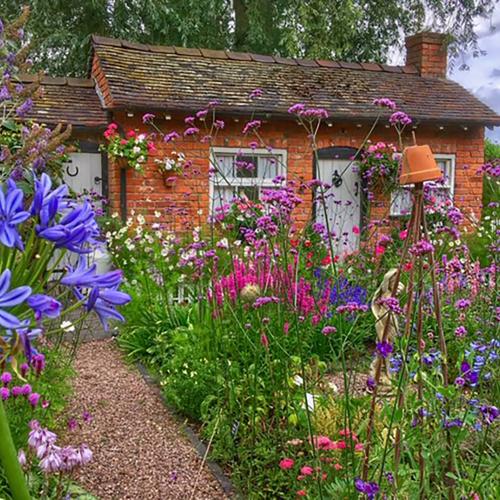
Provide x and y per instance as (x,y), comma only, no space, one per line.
(140,451)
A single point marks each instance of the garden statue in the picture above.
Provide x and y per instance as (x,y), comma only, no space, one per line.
(381,309)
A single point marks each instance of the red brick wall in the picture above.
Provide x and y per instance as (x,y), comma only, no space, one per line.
(147,193)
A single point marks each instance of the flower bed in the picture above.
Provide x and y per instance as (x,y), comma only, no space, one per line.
(244,321)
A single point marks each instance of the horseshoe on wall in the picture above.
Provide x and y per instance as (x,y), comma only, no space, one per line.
(72,174)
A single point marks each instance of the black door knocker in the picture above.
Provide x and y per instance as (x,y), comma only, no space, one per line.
(336,179)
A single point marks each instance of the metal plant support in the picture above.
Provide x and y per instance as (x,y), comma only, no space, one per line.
(417,231)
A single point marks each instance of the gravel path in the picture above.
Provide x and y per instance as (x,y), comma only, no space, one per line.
(139,449)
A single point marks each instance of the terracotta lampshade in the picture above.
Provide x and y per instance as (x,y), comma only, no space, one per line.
(419,165)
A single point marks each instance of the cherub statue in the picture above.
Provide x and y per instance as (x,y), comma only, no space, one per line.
(384,315)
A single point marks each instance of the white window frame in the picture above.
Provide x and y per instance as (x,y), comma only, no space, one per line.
(259,182)
(450,184)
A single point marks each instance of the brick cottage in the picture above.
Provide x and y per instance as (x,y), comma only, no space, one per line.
(128,79)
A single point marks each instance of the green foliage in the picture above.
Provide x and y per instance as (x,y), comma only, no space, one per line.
(354,30)
(491,150)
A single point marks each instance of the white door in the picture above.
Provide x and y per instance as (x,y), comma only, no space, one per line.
(342,203)
(83,173)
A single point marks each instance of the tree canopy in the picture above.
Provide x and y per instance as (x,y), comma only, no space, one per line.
(350,30)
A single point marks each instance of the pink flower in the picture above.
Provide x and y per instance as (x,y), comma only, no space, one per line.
(286,328)
(251,125)
(301,493)
(191,131)
(379,250)
(403,234)
(327,330)
(34,398)
(286,464)
(306,470)
(264,340)
(355,230)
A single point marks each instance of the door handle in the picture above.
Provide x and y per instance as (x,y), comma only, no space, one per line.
(356,188)
(97,180)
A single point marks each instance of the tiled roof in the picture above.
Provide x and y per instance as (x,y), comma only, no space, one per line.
(67,100)
(161,77)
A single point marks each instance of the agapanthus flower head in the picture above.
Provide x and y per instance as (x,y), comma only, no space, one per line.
(148,117)
(10,299)
(12,214)
(44,305)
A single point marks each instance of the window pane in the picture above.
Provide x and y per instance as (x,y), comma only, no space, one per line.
(268,167)
(401,202)
(249,192)
(224,165)
(222,195)
(445,166)
(245,166)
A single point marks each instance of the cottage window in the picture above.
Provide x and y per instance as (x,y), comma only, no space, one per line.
(401,201)
(244,173)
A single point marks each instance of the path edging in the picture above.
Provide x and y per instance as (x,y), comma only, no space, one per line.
(196,442)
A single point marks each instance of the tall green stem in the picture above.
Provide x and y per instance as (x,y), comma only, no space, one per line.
(10,462)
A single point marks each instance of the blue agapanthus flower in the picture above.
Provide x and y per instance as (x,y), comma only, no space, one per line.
(47,202)
(104,294)
(103,301)
(44,305)
(12,214)
(10,299)
(76,230)
(86,276)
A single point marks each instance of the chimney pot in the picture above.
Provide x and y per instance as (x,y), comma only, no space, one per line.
(428,52)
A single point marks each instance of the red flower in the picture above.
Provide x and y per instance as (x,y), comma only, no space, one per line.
(326,261)
(286,463)
(301,493)
(130,133)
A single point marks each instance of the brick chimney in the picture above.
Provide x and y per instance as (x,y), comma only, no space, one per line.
(428,52)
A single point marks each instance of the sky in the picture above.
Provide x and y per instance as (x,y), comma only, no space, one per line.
(483,76)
